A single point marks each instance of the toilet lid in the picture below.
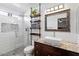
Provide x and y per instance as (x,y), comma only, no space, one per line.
(29,48)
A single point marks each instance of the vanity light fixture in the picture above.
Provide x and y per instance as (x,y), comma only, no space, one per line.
(61,6)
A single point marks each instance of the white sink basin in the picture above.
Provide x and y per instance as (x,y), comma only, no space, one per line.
(52,41)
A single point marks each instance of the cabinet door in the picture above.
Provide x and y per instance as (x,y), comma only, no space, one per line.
(37,49)
(46,50)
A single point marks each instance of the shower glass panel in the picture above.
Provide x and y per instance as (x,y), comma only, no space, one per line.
(12,29)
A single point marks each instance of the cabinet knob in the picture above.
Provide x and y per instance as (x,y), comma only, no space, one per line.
(36,45)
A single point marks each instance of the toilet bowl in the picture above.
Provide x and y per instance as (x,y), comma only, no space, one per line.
(29,50)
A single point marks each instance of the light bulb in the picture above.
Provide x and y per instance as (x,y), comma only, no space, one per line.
(61,6)
(48,10)
(56,7)
(52,9)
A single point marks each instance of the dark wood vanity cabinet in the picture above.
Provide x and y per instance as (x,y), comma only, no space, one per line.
(41,49)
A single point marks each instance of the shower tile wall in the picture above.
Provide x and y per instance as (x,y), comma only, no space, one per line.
(8,40)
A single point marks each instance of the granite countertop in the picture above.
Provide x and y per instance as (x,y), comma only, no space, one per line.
(63,45)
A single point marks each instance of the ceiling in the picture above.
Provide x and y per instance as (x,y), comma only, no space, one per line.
(16,8)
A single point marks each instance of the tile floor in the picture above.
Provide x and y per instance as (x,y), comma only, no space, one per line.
(16,52)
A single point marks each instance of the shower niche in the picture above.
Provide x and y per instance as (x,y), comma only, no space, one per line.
(7,27)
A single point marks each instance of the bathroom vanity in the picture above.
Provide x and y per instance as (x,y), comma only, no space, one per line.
(41,48)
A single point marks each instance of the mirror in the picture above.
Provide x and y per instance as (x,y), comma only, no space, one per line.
(58,21)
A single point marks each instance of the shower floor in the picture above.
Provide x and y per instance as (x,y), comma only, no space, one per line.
(17,52)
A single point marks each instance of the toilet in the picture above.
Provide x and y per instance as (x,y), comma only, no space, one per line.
(29,50)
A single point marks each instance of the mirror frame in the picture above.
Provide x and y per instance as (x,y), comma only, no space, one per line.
(60,30)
